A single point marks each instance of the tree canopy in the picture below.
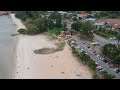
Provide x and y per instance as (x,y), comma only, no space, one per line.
(112,52)
(76,26)
(108,14)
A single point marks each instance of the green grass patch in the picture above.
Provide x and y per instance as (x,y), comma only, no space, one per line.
(50,36)
(60,46)
(104,34)
(55,31)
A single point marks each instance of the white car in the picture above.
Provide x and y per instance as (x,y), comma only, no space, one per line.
(86,53)
(81,49)
(98,55)
(110,38)
(115,69)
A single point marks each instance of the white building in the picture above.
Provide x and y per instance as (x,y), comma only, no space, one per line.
(62,12)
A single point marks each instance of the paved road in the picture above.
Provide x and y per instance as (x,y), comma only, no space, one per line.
(97,38)
(102,42)
(95,58)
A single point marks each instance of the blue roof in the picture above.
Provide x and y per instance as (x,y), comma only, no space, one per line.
(91,19)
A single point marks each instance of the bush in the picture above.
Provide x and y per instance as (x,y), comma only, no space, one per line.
(95,76)
(74,51)
(105,75)
(22,31)
(75,18)
(92,64)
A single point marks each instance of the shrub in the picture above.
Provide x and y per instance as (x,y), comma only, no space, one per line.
(22,31)
(95,76)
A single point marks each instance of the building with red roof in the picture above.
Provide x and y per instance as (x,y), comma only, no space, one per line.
(3,12)
(81,16)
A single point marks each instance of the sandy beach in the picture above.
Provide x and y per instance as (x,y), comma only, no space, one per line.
(58,65)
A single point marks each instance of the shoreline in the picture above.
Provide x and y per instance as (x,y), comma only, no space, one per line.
(17,21)
(19,25)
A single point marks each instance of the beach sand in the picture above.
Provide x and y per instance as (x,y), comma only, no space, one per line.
(58,65)
(38,66)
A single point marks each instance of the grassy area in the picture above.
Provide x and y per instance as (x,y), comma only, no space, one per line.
(55,31)
(60,46)
(50,36)
(105,35)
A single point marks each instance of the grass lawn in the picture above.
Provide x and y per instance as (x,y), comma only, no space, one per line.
(60,46)
(105,35)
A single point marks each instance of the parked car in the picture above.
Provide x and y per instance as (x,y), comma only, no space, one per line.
(114,37)
(88,46)
(100,69)
(101,58)
(106,61)
(95,53)
(83,43)
(95,43)
(86,53)
(77,46)
(80,50)
(117,71)
(98,55)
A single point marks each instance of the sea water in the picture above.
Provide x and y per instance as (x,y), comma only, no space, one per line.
(7,47)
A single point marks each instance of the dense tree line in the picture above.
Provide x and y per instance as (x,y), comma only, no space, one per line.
(37,21)
(108,14)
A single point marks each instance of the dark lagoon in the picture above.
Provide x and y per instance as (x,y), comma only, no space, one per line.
(7,47)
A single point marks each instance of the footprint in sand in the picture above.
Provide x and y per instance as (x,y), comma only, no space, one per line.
(51,65)
(62,72)
(18,66)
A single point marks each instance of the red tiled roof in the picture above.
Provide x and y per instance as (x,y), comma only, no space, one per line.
(3,12)
(82,15)
(115,23)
